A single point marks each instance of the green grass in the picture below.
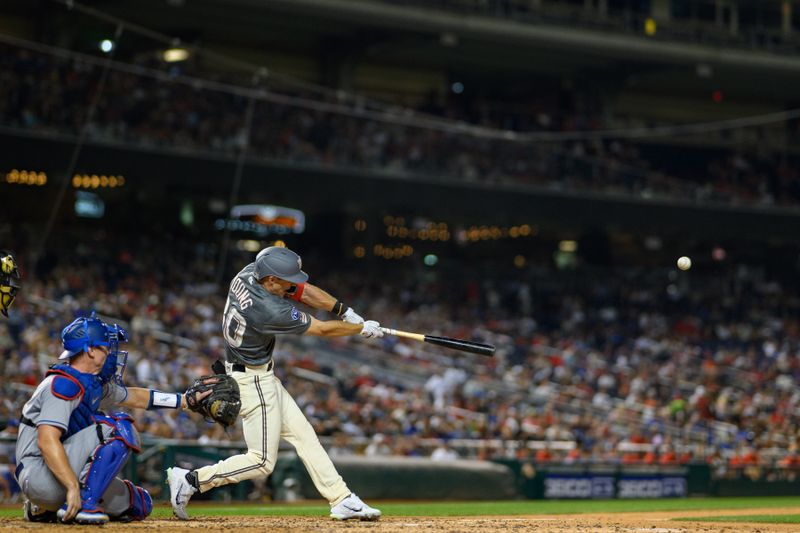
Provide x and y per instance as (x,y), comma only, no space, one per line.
(760,518)
(527,507)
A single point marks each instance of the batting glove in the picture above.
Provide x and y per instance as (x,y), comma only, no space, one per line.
(351,317)
(371,330)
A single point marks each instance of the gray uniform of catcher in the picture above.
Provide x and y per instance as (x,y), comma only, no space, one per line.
(252,319)
(35,478)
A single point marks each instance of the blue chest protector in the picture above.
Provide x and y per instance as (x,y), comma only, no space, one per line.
(69,384)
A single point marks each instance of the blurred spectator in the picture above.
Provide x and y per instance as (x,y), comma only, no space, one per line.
(444,453)
(48,95)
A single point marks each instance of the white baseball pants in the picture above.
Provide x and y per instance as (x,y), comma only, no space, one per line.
(269,413)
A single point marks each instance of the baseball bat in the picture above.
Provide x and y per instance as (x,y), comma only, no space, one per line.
(447,342)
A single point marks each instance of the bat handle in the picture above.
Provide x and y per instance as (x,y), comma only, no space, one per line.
(406,334)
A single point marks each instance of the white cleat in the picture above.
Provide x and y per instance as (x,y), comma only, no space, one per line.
(85,517)
(180,491)
(352,508)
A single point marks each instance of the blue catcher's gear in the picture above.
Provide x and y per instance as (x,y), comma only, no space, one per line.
(123,429)
(83,333)
(10,281)
(141,504)
(117,360)
(106,462)
(69,384)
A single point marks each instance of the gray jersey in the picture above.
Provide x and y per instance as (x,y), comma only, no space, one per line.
(253,317)
(45,408)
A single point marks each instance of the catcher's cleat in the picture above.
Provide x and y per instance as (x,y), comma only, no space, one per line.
(180,491)
(86,516)
(32,513)
(352,508)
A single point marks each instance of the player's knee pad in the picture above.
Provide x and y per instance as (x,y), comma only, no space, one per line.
(141,503)
(109,457)
(123,429)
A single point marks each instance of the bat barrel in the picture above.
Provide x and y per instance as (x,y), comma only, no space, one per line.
(462,345)
(446,342)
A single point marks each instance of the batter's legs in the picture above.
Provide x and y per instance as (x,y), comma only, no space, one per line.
(299,433)
(261,424)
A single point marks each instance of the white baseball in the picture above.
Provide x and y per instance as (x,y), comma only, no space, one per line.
(684,263)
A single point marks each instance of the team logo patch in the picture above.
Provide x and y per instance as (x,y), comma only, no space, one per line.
(299,315)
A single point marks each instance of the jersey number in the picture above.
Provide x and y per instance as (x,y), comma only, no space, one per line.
(233,324)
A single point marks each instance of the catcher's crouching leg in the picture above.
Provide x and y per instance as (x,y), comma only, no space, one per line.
(126,502)
(106,462)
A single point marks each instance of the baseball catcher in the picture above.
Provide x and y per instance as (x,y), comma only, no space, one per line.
(10,282)
(69,450)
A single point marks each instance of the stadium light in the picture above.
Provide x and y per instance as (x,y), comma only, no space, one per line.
(650,27)
(106,45)
(568,246)
(249,245)
(173,55)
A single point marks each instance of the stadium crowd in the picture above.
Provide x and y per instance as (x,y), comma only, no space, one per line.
(683,23)
(45,95)
(636,366)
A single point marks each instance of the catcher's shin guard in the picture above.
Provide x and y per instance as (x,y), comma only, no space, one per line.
(107,461)
(141,504)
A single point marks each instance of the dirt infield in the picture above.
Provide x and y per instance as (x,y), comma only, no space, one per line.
(657,522)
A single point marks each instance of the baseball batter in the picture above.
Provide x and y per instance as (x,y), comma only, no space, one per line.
(260,307)
(68,451)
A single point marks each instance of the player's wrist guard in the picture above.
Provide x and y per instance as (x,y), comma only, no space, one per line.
(164,400)
(339,308)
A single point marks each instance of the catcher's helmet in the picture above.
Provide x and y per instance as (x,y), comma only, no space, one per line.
(10,281)
(279,262)
(84,332)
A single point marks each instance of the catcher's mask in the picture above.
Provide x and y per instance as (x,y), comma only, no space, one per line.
(117,360)
(10,281)
(84,332)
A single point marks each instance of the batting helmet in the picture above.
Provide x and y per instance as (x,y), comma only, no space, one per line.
(281,263)
(10,281)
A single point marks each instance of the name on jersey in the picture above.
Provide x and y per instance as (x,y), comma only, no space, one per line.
(239,289)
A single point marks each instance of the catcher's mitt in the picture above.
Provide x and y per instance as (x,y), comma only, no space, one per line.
(221,405)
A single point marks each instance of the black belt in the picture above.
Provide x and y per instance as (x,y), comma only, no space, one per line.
(17,471)
(238,367)
(27,421)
